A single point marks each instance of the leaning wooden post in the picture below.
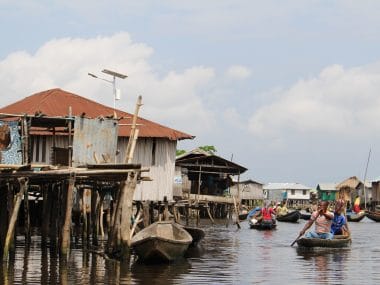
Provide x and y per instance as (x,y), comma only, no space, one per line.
(12,223)
(133,135)
(65,243)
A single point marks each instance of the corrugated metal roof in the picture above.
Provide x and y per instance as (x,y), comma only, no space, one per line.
(327,186)
(56,102)
(285,186)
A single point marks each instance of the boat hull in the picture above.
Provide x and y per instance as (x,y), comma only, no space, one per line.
(356,217)
(161,241)
(374,216)
(262,225)
(291,217)
(196,233)
(336,242)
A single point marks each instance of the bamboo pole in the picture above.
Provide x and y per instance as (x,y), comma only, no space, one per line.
(12,223)
(129,150)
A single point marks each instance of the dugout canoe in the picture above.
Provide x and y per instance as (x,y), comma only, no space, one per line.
(337,242)
(374,216)
(161,241)
(355,217)
(262,225)
(291,217)
(196,233)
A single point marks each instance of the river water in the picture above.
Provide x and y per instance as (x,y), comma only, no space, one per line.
(227,255)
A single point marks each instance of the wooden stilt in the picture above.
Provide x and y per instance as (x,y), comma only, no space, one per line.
(54,215)
(65,243)
(166,209)
(84,217)
(12,223)
(146,218)
(27,218)
(94,215)
(46,210)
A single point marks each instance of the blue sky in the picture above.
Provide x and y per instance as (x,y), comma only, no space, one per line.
(288,89)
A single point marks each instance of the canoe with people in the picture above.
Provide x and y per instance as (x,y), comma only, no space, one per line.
(284,215)
(331,228)
(355,217)
(263,218)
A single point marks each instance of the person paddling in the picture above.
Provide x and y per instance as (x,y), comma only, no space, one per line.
(339,222)
(323,220)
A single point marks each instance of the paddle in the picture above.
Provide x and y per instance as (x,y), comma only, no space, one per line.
(296,239)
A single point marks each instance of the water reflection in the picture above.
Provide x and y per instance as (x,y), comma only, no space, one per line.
(328,264)
(162,274)
(225,256)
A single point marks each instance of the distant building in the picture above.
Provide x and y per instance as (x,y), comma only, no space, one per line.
(249,192)
(352,187)
(295,194)
(327,191)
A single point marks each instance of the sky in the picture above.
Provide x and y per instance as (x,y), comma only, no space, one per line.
(289,89)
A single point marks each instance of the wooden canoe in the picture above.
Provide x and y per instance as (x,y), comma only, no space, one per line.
(161,241)
(262,225)
(336,242)
(196,233)
(291,217)
(374,216)
(305,216)
(355,217)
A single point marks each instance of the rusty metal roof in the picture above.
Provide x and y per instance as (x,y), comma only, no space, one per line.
(56,102)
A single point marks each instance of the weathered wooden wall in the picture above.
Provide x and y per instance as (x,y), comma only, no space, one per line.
(161,166)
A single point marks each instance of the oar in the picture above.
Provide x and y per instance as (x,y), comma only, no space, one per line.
(296,239)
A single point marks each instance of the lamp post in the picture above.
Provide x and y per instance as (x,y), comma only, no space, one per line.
(114,74)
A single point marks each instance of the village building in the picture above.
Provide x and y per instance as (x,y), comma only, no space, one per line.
(155,148)
(353,187)
(206,179)
(295,194)
(327,191)
(250,192)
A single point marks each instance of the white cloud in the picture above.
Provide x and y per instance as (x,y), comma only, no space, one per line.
(172,99)
(238,72)
(337,102)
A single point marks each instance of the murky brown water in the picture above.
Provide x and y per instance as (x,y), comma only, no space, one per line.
(226,256)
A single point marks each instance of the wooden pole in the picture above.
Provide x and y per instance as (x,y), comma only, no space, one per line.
(27,218)
(94,215)
(12,223)
(65,243)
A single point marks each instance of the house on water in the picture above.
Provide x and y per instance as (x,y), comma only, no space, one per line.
(206,179)
(155,147)
(295,194)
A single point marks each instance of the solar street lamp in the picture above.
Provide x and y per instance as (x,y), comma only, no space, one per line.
(116,92)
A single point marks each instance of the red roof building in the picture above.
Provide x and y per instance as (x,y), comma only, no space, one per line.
(56,102)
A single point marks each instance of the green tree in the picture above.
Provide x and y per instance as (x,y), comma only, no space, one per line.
(179,152)
(209,148)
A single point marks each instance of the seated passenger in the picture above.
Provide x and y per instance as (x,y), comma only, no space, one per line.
(323,220)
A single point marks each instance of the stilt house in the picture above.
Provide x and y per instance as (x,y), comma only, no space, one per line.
(155,148)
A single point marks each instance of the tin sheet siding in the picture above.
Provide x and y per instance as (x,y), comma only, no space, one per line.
(161,172)
(94,141)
